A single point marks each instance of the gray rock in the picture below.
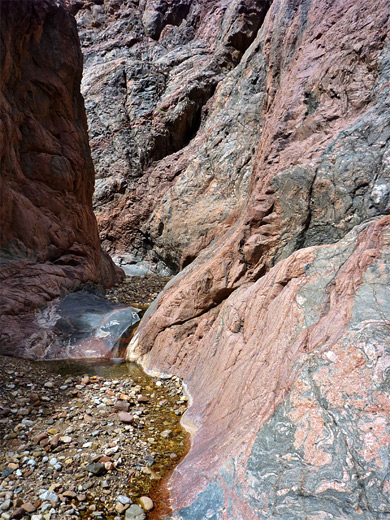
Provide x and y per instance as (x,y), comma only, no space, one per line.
(148,105)
(123,499)
(5,505)
(49,495)
(96,468)
(135,512)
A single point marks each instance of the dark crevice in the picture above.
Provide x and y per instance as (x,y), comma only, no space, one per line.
(223,294)
(178,132)
(200,314)
(166,13)
(187,261)
(148,245)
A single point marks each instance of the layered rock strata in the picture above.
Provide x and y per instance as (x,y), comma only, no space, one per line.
(49,239)
(173,144)
(280,326)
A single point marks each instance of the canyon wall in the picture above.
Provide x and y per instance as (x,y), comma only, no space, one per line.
(246,145)
(174,121)
(280,325)
(49,240)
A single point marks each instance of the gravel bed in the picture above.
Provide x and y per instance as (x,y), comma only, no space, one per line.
(88,442)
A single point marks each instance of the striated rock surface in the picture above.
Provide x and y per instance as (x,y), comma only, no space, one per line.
(49,241)
(280,326)
(173,147)
(290,408)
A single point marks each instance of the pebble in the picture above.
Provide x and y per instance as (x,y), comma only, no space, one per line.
(126,417)
(135,512)
(61,440)
(49,495)
(18,513)
(40,437)
(123,499)
(5,505)
(28,507)
(146,503)
(111,451)
(122,406)
(69,494)
(120,508)
(96,468)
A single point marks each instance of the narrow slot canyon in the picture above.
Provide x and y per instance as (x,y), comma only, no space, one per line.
(194,260)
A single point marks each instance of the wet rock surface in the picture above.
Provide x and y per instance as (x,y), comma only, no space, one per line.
(81,325)
(84,324)
(65,452)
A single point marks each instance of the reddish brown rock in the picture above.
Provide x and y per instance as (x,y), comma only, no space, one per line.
(122,406)
(49,241)
(41,437)
(28,507)
(126,417)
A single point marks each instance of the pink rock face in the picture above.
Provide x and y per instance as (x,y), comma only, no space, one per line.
(49,241)
(280,326)
(315,308)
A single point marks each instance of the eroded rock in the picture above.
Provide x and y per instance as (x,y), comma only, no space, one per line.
(172,150)
(49,241)
(272,323)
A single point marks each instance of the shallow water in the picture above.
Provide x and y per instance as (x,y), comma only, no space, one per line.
(160,417)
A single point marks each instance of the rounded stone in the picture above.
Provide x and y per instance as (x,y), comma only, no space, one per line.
(125,417)
(146,503)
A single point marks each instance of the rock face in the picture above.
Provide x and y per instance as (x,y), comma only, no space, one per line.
(247,144)
(49,241)
(173,147)
(280,325)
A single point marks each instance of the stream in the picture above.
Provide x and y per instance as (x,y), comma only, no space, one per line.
(88,439)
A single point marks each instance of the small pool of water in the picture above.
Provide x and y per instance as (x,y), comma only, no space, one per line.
(151,448)
(164,403)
